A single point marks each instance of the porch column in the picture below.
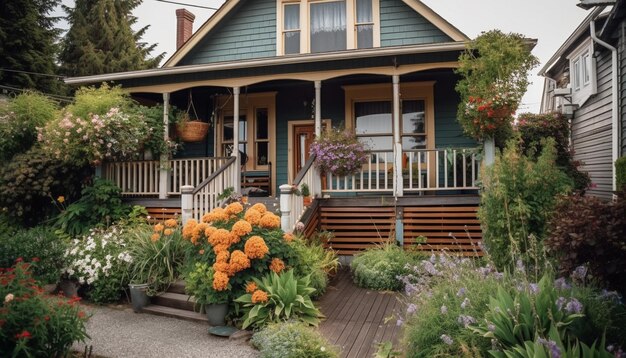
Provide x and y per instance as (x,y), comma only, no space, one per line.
(397,139)
(237,183)
(163,170)
(490,151)
(318,108)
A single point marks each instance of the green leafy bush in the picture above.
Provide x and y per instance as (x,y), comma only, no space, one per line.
(516,203)
(199,284)
(99,204)
(100,262)
(534,128)
(587,230)
(33,324)
(158,255)
(292,340)
(277,298)
(19,120)
(30,181)
(378,268)
(39,245)
(99,100)
(155,141)
(316,261)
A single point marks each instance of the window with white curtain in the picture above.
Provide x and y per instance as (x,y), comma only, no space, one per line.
(583,81)
(364,24)
(291,29)
(328,26)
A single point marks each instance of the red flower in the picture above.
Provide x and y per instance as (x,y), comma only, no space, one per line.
(19,259)
(81,314)
(24,335)
(35,259)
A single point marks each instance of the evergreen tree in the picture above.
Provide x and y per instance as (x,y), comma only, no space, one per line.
(101,40)
(28,43)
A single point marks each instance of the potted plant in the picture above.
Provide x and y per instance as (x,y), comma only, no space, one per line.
(188,129)
(306,194)
(199,284)
(339,152)
(494,77)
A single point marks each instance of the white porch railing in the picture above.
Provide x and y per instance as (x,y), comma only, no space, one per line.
(205,195)
(422,170)
(141,178)
(291,205)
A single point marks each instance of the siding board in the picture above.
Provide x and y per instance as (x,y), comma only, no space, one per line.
(401,25)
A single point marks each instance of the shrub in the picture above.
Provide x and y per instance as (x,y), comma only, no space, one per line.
(444,295)
(39,245)
(534,128)
(277,298)
(33,324)
(517,200)
(100,262)
(316,261)
(155,140)
(620,173)
(199,284)
(19,120)
(378,268)
(239,245)
(157,255)
(92,100)
(100,204)
(292,340)
(30,181)
(586,230)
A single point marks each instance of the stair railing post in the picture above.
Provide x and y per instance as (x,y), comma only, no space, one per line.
(286,193)
(186,202)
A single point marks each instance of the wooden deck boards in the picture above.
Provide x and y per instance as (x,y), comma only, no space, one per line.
(355,317)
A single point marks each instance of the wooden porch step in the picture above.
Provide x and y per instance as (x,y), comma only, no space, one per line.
(162,214)
(175,300)
(175,313)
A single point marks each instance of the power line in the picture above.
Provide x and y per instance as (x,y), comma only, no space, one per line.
(186,4)
(31,73)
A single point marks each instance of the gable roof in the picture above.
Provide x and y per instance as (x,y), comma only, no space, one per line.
(229,5)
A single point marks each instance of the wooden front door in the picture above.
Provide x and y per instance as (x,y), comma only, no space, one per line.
(304,135)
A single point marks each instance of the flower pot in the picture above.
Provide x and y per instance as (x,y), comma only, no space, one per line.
(192,131)
(138,296)
(69,288)
(216,313)
(49,288)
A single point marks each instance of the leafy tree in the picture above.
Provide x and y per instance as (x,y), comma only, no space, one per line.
(28,45)
(101,40)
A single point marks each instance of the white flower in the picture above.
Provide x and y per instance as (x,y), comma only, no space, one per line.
(8,298)
(323,349)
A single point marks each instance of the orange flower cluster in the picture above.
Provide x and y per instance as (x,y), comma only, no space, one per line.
(188,229)
(222,256)
(241,228)
(220,237)
(259,296)
(277,265)
(253,216)
(255,247)
(269,221)
(197,232)
(171,223)
(250,287)
(158,227)
(217,214)
(209,231)
(220,281)
(234,208)
(168,232)
(259,207)
(238,262)
(288,237)
(155,237)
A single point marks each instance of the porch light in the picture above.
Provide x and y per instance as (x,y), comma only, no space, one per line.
(567,109)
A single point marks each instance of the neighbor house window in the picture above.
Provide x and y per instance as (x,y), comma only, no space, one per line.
(582,73)
(328,26)
(364,24)
(291,29)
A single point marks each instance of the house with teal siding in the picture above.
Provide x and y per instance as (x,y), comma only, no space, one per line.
(269,76)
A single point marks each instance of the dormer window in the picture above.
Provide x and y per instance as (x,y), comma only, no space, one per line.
(583,76)
(314,26)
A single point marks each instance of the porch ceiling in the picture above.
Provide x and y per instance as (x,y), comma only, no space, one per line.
(392,61)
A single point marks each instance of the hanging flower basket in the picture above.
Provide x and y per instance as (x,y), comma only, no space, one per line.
(192,131)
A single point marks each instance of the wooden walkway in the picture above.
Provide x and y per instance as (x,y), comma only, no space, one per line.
(355,317)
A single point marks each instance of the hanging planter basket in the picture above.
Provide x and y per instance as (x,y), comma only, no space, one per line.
(191,130)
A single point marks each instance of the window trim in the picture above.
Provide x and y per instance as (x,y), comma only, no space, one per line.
(582,89)
(305,28)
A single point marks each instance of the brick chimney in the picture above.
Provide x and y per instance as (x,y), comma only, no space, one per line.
(184,26)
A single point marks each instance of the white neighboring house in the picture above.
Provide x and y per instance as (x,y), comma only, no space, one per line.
(584,81)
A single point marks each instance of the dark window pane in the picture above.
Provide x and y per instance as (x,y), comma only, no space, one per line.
(373,117)
(365,36)
(261,123)
(413,142)
(413,119)
(227,130)
(262,153)
(291,42)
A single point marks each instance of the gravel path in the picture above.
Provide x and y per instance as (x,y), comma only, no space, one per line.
(123,333)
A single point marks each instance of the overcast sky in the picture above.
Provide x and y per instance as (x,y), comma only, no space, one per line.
(549,21)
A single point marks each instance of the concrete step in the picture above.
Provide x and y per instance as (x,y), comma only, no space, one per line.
(174,300)
(175,313)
